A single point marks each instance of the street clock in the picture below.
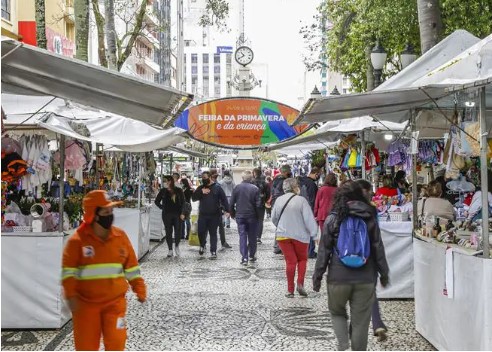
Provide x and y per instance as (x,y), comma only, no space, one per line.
(244,55)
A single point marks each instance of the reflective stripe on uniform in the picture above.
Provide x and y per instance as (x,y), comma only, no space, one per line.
(100,271)
(69,272)
(132,273)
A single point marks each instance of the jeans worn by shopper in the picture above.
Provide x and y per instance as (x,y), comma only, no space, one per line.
(296,257)
(172,224)
(360,298)
(377,322)
(208,224)
(261,218)
(247,228)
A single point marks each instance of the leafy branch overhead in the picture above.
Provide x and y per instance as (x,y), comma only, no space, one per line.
(216,14)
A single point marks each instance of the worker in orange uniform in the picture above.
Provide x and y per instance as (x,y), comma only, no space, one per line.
(98,263)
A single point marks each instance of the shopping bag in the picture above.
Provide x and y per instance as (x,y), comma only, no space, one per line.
(193,239)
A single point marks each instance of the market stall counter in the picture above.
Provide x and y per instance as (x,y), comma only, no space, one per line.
(31,286)
(397,239)
(453,290)
(136,223)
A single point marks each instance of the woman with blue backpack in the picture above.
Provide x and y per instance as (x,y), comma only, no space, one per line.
(352,250)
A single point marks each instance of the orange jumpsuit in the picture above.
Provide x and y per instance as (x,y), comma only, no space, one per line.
(97,272)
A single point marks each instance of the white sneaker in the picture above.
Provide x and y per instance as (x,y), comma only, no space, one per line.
(177,252)
(170,253)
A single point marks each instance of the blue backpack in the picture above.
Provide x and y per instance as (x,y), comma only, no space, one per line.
(353,247)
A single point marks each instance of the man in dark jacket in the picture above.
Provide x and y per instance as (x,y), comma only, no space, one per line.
(245,203)
(277,191)
(354,285)
(212,199)
(259,181)
(309,190)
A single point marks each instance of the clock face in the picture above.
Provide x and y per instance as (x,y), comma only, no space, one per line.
(244,55)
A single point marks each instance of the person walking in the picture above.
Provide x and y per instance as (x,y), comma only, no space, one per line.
(278,191)
(227,184)
(212,199)
(223,218)
(295,227)
(309,190)
(324,199)
(378,326)
(98,264)
(188,192)
(259,181)
(353,285)
(244,208)
(171,201)
(268,203)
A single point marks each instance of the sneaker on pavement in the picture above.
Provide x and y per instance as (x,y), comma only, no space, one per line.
(213,256)
(258,240)
(170,253)
(277,251)
(244,262)
(228,226)
(253,259)
(302,291)
(201,251)
(289,295)
(177,252)
(381,334)
(226,245)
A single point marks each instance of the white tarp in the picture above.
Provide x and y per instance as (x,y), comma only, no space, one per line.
(30,70)
(432,76)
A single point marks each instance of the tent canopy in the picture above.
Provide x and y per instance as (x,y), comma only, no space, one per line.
(89,124)
(421,83)
(30,70)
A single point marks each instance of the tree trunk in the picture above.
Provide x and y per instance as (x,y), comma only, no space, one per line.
(100,33)
(134,35)
(40,24)
(111,33)
(430,23)
(369,70)
(81,11)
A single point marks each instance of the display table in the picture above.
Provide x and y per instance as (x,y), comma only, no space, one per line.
(136,224)
(156,224)
(397,239)
(463,322)
(32,295)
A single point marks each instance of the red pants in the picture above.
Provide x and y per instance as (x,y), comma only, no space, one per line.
(296,255)
(91,320)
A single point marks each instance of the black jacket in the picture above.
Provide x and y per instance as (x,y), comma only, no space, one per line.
(264,189)
(245,201)
(212,203)
(277,188)
(169,206)
(338,273)
(309,189)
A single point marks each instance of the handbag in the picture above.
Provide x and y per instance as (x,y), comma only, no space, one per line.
(282,212)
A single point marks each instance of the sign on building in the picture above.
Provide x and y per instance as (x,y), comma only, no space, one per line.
(224,49)
(240,122)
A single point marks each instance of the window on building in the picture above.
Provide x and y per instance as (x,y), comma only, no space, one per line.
(228,58)
(345,91)
(206,90)
(216,58)
(140,70)
(205,71)
(70,31)
(69,3)
(156,78)
(228,90)
(205,58)
(194,70)
(217,92)
(346,81)
(217,69)
(6,9)
(194,58)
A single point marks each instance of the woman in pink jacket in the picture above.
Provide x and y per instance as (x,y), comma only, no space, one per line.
(324,199)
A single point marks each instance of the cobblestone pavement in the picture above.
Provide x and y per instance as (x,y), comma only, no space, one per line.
(220,305)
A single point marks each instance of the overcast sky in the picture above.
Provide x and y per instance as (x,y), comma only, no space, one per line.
(273,28)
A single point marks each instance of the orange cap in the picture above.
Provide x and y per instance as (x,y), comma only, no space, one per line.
(93,200)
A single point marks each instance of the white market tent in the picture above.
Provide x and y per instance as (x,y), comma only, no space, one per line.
(29,70)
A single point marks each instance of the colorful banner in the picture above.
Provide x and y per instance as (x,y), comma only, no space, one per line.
(240,122)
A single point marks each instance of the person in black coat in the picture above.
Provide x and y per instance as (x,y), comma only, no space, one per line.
(259,181)
(172,202)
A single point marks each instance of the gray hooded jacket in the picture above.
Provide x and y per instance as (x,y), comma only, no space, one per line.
(227,185)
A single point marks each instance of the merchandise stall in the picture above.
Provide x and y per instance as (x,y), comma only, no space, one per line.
(451,263)
(31,261)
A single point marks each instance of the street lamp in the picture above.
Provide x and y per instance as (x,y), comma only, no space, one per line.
(378,59)
(408,56)
(315,94)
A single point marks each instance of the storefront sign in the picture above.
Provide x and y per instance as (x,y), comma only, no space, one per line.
(59,44)
(240,122)
(224,49)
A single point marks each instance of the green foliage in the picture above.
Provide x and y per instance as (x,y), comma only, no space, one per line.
(216,14)
(356,24)
(318,158)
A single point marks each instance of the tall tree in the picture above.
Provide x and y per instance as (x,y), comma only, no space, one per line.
(216,13)
(81,11)
(101,46)
(430,23)
(40,17)
(111,33)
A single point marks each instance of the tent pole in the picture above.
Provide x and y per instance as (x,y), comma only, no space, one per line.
(484,174)
(62,181)
(363,156)
(139,182)
(413,117)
